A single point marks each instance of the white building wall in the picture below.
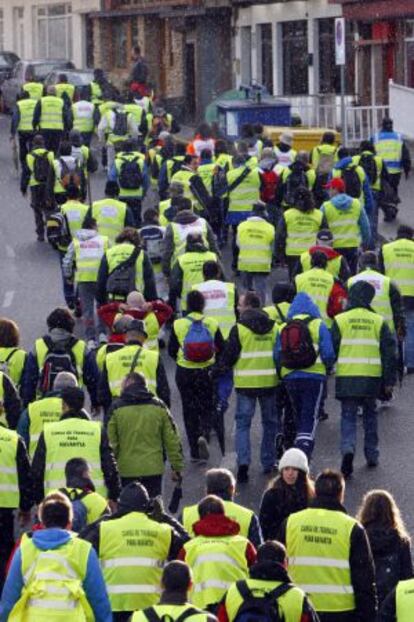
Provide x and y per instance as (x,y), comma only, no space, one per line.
(20,29)
(276,13)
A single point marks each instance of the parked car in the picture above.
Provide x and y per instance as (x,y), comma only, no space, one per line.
(77,77)
(22,72)
(7,62)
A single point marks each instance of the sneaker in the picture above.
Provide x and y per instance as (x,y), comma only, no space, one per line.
(347,466)
(103,338)
(372,463)
(91,344)
(203,450)
(243,474)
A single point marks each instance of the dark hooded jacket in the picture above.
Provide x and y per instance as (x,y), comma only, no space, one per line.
(360,296)
(257,321)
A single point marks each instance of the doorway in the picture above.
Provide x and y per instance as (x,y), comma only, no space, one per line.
(190,82)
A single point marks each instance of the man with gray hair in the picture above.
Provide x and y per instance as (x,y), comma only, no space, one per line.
(222,483)
(44,410)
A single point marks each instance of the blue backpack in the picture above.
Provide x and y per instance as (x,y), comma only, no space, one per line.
(198,346)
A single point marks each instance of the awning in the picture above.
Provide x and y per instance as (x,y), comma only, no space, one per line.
(369,11)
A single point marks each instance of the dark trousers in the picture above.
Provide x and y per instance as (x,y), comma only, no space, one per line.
(39,205)
(196,390)
(52,139)
(25,145)
(234,247)
(395,179)
(292,262)
(121,616)
(305,395)
(86,138)
(134,205)
(153,483)
(6,541)
(351,255)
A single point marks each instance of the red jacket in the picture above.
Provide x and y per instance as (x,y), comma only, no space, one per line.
(162,312)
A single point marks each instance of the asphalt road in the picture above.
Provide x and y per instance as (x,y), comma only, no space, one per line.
(30,287)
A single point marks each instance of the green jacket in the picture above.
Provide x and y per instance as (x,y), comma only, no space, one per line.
(141,429)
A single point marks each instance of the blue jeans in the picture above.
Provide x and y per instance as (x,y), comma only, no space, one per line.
(349,409)
(256,282)
(223,389)
(245,408)
(409,339)
(305,395)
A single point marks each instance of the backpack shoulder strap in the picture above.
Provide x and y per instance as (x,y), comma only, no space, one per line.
(130,261)
(151,615)
(280,314)
(10,354)
(188,613)
(243,590)
(135,360)
(280,590)
(239,180)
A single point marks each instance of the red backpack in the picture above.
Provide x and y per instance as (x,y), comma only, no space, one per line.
(270,181)
(297,349)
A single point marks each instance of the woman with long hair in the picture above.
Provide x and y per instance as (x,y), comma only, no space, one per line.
(390,542)
(12,357)
(290,492)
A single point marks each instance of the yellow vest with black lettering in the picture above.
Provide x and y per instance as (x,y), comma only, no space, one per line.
(301,230)
(399,264)
(290,604)
(255,368)
(219,303)
(132,552)
(216,563)
(35,89)
(243,516)
(242,198)
(255,239)
(317,283)
(333,266)
(404,600)
(381,302)
(65,87)
(26,109)
(182,231)
(318,544)
(206,172)
(359,350)
(119,364)
(137,158)
(172,613)
(181,329)
(110,216)
(51,117)
(53,583)
(9,480)
(78,350)
(120,253)
(344,224)
(191,264)
(318,367)
(71,438)
(45,410)
(12,362)
(278,312)
(88,255)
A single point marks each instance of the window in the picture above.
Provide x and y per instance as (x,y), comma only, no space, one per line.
(266,56)
(329,72)
(246,54)
(295,57)
(18,30)
(53,28)
(119,34)
(1,30)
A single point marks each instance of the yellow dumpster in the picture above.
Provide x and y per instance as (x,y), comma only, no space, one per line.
(304,138)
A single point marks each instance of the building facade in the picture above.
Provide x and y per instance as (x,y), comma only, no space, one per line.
(46,28)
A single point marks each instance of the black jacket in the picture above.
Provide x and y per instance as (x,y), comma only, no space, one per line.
(259,322)
(11,402)
(108,463)
(362,570)
(277,505)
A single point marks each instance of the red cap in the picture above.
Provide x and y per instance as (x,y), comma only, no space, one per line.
(336,184)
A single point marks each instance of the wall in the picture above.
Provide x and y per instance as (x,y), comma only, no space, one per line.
(401,109)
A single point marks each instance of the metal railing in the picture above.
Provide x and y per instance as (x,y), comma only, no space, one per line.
(362,122)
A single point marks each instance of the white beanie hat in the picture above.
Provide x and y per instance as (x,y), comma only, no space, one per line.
(295,459)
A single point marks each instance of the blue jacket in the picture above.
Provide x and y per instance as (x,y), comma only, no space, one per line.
(303,304)
(366,188)
(93,584)
(343,202)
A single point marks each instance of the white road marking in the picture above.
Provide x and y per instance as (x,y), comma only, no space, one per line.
(8,298)
(10,252)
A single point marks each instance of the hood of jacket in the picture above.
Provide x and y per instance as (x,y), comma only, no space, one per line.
(52,538)
(61,337)
(195,247)
(360,294)
(257,321)
(134,394)
(216,525)
(303,303)
(329,252)
(383,540)
(269,571)
(342,201)
(81,483)
(75,414)
(343,164)
(185,217)
(86,234)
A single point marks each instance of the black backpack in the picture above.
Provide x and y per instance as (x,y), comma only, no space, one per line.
(41,167)
(260,608)
(121,281)
(297,349)
(297,179)
(57,231)
(152,616)
(57,359)
(130,176)
(367,161)
(353,186)
(121,123)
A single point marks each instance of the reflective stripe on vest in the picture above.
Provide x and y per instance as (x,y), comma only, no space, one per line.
(46,410)
(88,255)
(301,230)
(219,303)
(182,231)
(119,253)
(255,368)
(381,302)
(243,516)
(68,439)
(26,109)
(9,482)
(83,116)
(216,564)
(359,350)
(110,216)
(317,283)
(318,544)
(118,365)
(404,600)
(191,264)
(35,90)
(388,146)
(399,264)
(242,198)
(255,239)
(344,224)
(132,552)
(51,117)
